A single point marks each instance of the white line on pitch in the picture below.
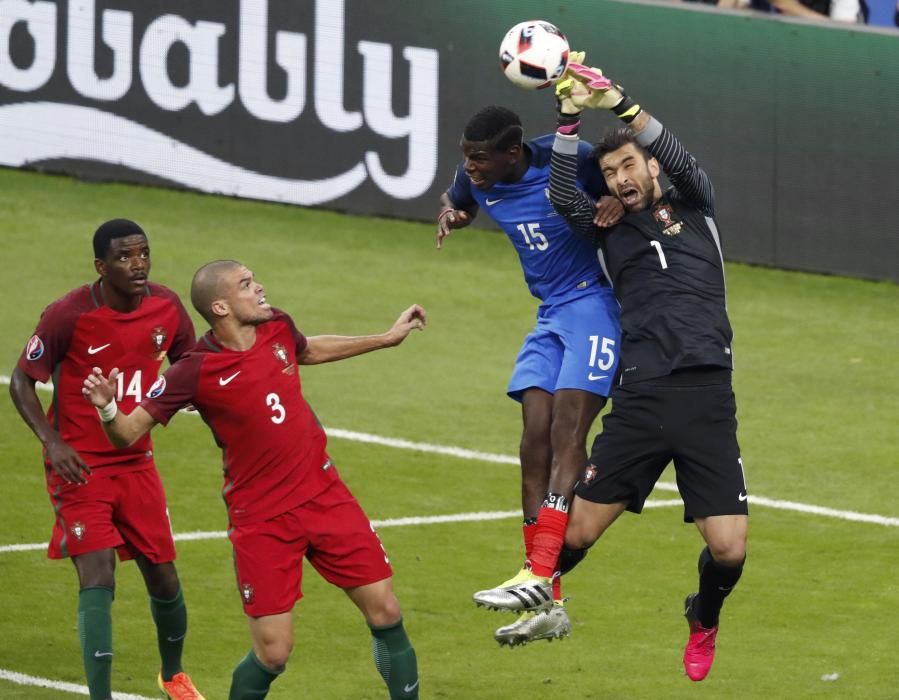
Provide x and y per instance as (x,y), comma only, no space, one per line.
(462,453)
(35,681)
(479,516)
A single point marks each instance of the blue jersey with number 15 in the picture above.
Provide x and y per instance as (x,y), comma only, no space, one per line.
(558,264)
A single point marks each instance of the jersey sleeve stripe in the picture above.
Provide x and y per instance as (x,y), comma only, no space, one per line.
(569,201)
(679,165)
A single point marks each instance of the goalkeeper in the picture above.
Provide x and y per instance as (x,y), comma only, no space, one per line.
(675,401)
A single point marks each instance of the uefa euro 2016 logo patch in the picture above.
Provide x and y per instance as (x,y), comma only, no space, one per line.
(35,348)
(157,389)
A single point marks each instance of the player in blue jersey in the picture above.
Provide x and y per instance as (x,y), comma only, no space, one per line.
(567,364)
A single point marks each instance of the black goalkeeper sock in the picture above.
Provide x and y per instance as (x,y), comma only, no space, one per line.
(716,581)
(569,558)
(395,660)
(95,633)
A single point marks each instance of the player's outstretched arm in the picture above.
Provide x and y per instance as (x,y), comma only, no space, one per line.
(121,429)
(587,88)
(63,460)
(451,217)
(565,196)
(329,348)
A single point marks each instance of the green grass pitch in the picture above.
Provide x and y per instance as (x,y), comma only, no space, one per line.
(816,385)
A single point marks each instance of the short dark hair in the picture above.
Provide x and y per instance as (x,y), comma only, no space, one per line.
(114,228)
(207,286)
(498,125)
(614,139)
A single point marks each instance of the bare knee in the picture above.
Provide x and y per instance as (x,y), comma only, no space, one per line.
(386,611)
(573,414)
(728,549)
(725,536)
(161,579)
(729,553)
(588,521)
(581,533)
(579,540)
(96,568)
(274,653)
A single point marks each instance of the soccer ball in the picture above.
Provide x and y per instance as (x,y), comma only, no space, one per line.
(533,54)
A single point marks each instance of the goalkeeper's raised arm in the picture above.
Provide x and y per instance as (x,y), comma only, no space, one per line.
(565,196)
(584,87)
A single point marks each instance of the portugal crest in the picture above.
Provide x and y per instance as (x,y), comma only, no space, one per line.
(280,353)
(158,337)
(78,529)
(246,592)
(667,219)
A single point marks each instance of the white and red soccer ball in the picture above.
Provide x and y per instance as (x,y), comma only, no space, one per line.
(533,54)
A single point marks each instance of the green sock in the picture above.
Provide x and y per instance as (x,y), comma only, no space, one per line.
(251,679)
(395,660)
(170,617)
(95,633)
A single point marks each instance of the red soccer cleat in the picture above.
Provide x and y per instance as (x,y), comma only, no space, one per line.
(179,688)
(700,651)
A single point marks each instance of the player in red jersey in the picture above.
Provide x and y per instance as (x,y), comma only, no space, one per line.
(108,499)
(284,497)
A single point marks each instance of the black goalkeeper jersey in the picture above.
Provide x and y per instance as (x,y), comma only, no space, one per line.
(665,263)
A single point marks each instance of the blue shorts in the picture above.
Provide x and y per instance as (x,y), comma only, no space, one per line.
(574,346)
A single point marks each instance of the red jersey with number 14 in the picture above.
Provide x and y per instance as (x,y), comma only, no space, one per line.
(79,332)
(273,447)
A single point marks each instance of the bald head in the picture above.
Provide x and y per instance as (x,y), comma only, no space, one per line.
(210,284)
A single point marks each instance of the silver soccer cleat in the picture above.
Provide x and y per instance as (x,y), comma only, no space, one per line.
(532,626)
(522,592)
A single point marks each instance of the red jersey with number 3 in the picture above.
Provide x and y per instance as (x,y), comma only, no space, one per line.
(273,447)
(79,332)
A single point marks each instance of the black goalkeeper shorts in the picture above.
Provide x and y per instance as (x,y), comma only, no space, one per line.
(688,417)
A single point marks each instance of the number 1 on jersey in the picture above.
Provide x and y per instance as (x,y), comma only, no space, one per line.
(658,247)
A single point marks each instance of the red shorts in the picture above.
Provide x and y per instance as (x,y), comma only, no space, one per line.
(331,531)
(125,512)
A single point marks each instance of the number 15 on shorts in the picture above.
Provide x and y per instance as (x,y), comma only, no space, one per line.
(602,353)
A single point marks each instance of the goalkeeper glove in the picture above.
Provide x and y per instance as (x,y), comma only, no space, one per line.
(568,106)
(586,87)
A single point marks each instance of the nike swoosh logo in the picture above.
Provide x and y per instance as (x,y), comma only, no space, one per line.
(742,497)
(176,639)
(100,654)
(91,350)
(593,377)
(491,202)
(408,688)
(223,381)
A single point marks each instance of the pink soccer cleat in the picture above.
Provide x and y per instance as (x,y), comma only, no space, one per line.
(700,650)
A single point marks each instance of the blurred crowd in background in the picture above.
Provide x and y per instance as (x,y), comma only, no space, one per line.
(879,13)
